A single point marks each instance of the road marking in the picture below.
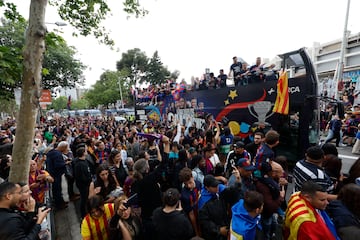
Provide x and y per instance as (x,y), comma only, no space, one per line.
(348,156)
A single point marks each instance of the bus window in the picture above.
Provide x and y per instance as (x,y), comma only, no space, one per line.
(295,65)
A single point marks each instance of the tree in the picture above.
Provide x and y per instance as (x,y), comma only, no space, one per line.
(156,73)
(175,74)
(60,67)
(59,103)
(11,44)
(135,62)
(80,104)
(132,61)
(86,16)
(9,106)
(106,90)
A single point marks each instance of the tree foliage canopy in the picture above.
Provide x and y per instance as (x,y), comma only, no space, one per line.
(11,44)
(60,67)
(107,91)
(80,104)
(59,103)
(156,73)
(143,69)
(87,16)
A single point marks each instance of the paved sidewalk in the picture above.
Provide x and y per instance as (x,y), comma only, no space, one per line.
(67,221)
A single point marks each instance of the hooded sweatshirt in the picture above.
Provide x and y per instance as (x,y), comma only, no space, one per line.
(206,196)
(243,226)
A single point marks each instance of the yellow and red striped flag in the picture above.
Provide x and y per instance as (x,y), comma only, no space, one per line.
(282,99)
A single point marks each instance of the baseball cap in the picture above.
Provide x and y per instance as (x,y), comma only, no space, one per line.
(210,181)
(239,144)
(245,163)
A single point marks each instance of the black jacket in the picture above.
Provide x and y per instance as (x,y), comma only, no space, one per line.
(216,214)
(346,223)
(82,173)
(55,163)
(341,215)
(14,226)
(172,226)
(149,192)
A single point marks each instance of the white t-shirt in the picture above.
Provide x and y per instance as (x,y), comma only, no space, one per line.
(214,159)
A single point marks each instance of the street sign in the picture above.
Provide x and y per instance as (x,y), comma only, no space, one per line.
(45,98)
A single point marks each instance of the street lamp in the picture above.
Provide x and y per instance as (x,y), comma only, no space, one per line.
(59,24)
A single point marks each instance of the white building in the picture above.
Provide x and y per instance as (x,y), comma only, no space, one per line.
(326,58)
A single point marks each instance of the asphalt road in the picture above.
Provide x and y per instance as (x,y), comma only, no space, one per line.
(347,158)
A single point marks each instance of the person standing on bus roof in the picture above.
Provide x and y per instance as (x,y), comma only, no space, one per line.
(256,71)
(222,78)
(213,81)
(235,70)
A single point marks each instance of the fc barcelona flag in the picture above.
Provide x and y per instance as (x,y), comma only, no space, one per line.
(282,99)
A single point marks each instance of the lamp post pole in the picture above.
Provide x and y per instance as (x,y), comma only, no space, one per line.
(340,68)
(121,96)
(135,91)
(134,72)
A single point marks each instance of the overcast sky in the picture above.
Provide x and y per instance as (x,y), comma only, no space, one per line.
(191,35)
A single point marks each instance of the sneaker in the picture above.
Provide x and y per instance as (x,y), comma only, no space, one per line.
(342,145)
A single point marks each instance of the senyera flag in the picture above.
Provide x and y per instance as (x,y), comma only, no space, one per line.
(282,99)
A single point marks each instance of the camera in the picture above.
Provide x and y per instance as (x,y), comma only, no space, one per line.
(46,206)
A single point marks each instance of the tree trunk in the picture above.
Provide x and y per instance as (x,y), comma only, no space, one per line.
(29,106)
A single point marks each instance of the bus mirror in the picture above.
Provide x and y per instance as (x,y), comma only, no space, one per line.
(340,110)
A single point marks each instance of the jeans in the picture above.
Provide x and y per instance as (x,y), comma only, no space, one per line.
(70,183)
(268,226)
(331,135)
(84,193)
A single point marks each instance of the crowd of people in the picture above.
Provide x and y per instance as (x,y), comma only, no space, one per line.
(344,130)
(240,72)
(139,180)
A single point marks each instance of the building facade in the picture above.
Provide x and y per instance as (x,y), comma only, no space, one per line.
(326,58)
